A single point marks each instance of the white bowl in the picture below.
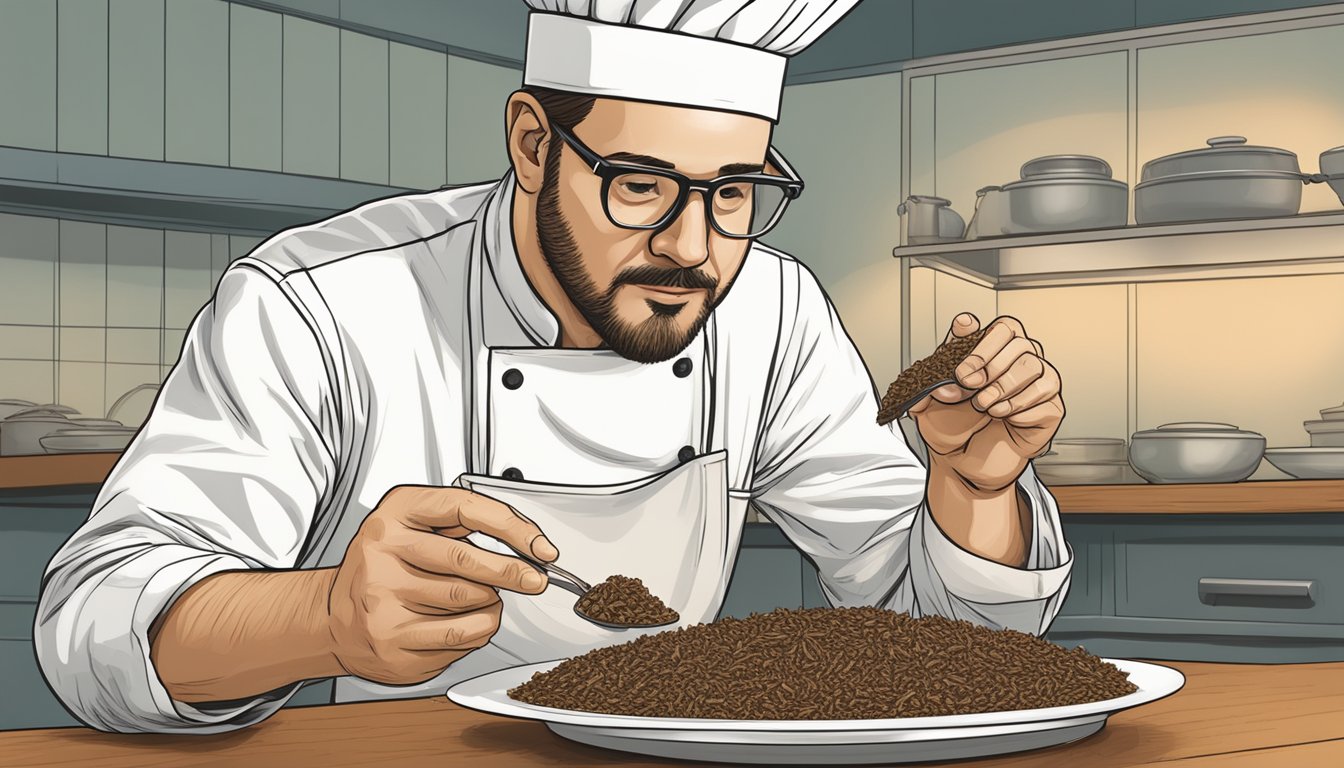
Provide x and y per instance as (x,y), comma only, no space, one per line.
(1326,433)
(88,440)
(1087,450)
(1308,463)
(1094,473)
(20,434)
(1196,452)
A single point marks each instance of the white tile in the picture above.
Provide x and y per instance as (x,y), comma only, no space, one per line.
(923,139)
(419,84)
(172,345)
(82,387)
(196,87)
(27,342)
(135,79)
(83,273)
(134,277)
(28,380)
(87,345)
(254,88)
(28,247)
(28,74)
(81,93)
(122,379)
(312,88)
(133,345)
(186,283)
(364,121)
(477,93)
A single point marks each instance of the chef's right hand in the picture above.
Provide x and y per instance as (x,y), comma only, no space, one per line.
(412,595)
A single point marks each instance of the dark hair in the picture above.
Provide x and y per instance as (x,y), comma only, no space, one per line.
(563,109)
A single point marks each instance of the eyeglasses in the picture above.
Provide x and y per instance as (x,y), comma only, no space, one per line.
(739,206)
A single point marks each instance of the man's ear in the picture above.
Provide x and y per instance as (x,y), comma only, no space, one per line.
(528,133)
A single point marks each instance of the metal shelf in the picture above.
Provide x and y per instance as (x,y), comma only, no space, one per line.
(181,196)
(1306,244)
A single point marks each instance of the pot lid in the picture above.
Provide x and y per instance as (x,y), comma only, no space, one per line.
(1198,429)
(40,413)
(1066,165)
(1223,153)
(1072,179)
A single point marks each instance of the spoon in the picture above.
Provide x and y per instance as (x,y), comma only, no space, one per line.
(571,583)
(920,395)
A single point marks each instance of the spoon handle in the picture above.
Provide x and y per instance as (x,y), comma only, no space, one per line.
(551,568)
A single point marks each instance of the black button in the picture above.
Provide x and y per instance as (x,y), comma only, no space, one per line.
(513,378)
(512,473)
(686,454)
(682,367)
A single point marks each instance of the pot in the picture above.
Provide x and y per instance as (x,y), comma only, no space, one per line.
(1056,193)
(930,220)
(1332,168)
(1326,433)
(1229,180)
(1196,452)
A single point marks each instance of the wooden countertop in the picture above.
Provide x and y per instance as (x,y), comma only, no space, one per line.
(1227,716)
(1256,497)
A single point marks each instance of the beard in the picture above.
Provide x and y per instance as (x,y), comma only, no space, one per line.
(652,340)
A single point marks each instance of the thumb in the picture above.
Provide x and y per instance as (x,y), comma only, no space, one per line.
(963,324)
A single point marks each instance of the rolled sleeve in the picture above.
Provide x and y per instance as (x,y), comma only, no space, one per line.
(227,474)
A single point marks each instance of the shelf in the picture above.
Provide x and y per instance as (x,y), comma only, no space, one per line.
(1249,498)
(1311,243)
(48,471)
(180,196)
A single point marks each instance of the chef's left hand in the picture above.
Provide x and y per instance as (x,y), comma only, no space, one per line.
(1003,412)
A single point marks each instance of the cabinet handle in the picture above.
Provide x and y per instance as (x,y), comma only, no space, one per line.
(1211,589)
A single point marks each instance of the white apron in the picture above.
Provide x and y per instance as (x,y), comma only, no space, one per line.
(620,464)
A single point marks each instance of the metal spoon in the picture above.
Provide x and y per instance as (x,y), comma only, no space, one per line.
(920,395)
(571,583)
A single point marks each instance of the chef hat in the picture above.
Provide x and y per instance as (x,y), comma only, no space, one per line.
(719,54)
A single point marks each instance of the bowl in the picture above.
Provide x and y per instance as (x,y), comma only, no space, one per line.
(1333,414)
(1086,450)
(1308,463)
(1196,452)
(87,440)
(1328,433)
(20,434)
(1095,473)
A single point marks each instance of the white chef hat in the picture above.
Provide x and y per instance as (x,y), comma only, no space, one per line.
(719,54)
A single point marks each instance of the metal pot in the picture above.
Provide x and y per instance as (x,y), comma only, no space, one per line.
(20,434)
(1229,180)
(1056,193)
(930,220)
(1196,452)
(1332,168)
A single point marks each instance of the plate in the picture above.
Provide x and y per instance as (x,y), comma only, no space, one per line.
(1308,463)
(820,742)
(87,440)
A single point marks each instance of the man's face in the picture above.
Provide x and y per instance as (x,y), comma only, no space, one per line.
(646,292)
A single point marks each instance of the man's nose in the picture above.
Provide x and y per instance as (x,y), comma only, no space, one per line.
(686,240)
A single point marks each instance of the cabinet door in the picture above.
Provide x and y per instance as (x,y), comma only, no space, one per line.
(196,87)
(764,578)
(312,95)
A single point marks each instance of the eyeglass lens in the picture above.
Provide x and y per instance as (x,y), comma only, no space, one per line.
(743,208)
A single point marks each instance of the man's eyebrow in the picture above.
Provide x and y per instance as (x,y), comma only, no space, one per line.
(731,169)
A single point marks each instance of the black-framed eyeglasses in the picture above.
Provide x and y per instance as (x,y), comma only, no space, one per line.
(740,206)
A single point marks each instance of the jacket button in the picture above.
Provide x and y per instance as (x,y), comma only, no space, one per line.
(513,378)
(682,368)
(686,454)
(512,473)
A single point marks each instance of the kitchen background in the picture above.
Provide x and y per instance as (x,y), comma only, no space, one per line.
(144,144)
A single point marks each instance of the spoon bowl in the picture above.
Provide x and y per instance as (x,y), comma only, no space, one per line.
(571,583)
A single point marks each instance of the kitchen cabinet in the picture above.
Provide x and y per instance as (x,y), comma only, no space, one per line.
(81,71)
(364,107)
(196,82)
(310,111)
(418,93)
(135,59)
(256,40)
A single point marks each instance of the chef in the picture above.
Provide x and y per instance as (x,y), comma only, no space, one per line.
(593,360)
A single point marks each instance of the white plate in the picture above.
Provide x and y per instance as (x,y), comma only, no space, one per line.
(1308,463)
(830,742)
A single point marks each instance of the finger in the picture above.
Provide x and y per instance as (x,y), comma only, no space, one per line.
(1039,391)
(951,394)
(446,556)
(995,339)
(1025,369)
(463,632)
(1046,414)
(963,324)
(445,594)
(457,512)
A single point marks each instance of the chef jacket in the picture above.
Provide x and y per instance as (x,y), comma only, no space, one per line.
(329,367)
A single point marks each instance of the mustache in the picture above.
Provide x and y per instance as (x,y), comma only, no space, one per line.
(647,274)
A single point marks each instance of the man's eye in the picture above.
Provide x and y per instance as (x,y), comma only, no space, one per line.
(730,193)
(640,187)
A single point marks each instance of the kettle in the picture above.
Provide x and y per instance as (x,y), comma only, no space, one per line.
(930,220)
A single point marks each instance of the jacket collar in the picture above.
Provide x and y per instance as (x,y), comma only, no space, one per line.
(534,318)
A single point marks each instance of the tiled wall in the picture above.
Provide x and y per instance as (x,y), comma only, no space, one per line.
(88,311)
(218,83)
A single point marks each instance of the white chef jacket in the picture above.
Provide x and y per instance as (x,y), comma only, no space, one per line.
(329,367)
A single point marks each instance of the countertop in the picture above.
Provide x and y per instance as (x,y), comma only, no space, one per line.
(1257,497)
(1228,716)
